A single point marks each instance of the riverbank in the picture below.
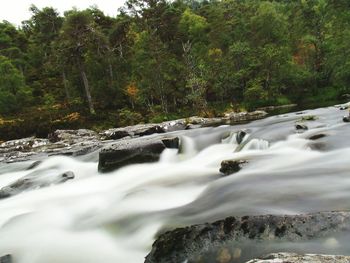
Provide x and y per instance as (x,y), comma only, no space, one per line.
(40,122)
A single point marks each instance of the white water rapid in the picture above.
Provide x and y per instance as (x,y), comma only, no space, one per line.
(115,217)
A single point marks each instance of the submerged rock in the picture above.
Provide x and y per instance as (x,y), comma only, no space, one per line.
(317,136)
(134,151)
(296,258)
(185,243)
(300,126)
(231,166)
(34,165)
(35,180)
(6,259)
(240,136)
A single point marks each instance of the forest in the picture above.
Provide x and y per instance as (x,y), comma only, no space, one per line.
(159,60)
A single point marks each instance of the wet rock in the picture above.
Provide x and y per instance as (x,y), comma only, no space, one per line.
(317,136)
(184,243)
(300,126)
(6,259)
(133,151)
(346,119)
(240,136)
(232,166)
(35,180)
(309,118)
(34,165)
(295,258)
(172,142)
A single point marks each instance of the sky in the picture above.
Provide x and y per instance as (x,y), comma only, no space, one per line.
(15,11)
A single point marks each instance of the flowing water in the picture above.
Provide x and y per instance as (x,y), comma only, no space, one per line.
(114,217)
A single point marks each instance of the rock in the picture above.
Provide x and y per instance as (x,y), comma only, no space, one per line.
(33,165)
(172,143)
(300,126)
(23,145)
(309,118)
(204,122)
(175,125)
(317,136)
(133,151)
(295,258)
(346,119)
(240,136)
(73,136)
(6,259)
(184,243)
(235,117)
(35,180)
(61,142)
(231,166)
(132,131)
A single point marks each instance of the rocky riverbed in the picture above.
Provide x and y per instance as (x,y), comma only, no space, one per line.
(83,141)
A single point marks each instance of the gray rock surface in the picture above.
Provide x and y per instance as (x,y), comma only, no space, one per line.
(295,258)
(35,180)
(132,131)
(61,142)
(134,151)
(83,141)
(185,243)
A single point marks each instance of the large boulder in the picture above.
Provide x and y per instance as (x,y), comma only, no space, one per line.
(186,243)
(296,258)
(35,180)
(134,151)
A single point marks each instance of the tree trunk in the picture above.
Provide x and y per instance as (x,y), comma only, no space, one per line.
(65,83)
(87,89)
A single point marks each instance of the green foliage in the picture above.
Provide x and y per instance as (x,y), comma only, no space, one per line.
(255,95)
(13,92)
(165,58)
(127,117)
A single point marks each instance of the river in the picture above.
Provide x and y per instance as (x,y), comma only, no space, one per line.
(115,217)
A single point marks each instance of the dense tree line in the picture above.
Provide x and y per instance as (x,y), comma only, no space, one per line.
(160,56)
